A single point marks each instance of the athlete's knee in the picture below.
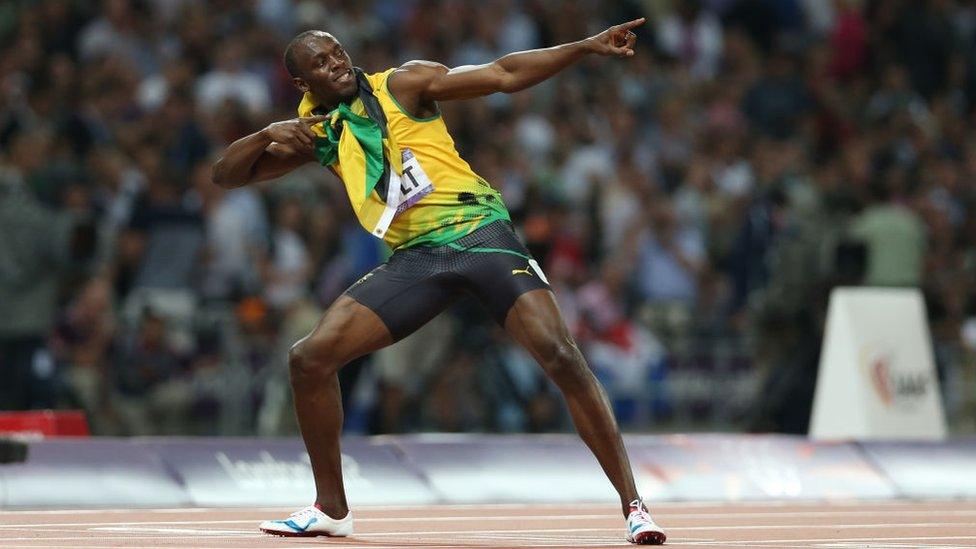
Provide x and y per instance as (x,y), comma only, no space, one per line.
(564,362)
(312,357)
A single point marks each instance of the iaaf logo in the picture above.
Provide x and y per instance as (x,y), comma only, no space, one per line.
(895,387)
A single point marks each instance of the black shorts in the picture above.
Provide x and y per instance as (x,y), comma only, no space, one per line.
(417,283)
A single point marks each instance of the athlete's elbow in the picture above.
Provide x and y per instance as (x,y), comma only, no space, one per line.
(219,175)
(504,79)
(511,85)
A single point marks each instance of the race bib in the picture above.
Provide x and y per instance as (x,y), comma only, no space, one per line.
(414,183)
(404,191)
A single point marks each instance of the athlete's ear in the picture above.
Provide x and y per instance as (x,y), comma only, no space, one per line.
(300,83)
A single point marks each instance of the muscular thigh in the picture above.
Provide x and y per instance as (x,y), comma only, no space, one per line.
(535,322)
(348,330)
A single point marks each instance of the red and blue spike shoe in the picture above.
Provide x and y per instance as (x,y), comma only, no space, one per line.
(642,529)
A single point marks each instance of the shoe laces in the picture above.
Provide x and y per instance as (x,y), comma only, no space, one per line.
(637,506)
(310,511)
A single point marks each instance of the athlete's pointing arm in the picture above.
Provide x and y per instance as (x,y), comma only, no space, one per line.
(267,154)
(283,146)
(428,81)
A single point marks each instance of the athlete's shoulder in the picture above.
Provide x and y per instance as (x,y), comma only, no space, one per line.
(414,76)
(422,65)
(382,73)
(418,70)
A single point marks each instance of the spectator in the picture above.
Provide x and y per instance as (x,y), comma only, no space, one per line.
(777,103)
(168,228)
(229,80)
(287,274)
(82,345)
(895,240)
(669,258)
(148,389)
(40,246)
(237,236)
(693,36)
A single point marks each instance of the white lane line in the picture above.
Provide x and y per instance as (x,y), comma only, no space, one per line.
(855,545)
(502,518)
(660,508)
(175,531)
(698,503)
(850,540)
(804,514)
(135,525)
(94,524)
(366,519)
(69,510)
(826,526)
(694,528)
(555,542)
(75,540)
(62,546)
(110,511)
(433,506)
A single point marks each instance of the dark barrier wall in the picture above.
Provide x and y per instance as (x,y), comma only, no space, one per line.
(426,469)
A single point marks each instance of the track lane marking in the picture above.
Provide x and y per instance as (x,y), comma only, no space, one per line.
(590,505)
(136,527)
(694,528)
(660,515)
(850,540)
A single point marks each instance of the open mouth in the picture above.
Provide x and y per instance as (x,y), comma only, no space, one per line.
(343,77)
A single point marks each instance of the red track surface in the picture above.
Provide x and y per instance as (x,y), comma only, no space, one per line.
(942,524)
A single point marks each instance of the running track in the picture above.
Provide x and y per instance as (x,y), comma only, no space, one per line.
(897,524)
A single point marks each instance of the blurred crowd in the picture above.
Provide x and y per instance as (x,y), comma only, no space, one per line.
(692,206)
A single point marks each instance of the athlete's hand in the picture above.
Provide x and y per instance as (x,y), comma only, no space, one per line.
(618,40)
(295,133)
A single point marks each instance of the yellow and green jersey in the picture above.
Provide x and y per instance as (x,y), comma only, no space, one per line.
(455,201)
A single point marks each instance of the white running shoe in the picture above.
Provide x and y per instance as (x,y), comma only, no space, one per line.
(643,531)
(309,522)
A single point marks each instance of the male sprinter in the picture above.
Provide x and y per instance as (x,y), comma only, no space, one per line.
(383,135)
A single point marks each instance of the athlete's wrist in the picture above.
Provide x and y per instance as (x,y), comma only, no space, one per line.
(587,45)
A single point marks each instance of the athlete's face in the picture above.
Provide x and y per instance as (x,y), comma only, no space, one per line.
(326,69)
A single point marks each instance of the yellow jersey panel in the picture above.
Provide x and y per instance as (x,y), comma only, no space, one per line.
(456,200)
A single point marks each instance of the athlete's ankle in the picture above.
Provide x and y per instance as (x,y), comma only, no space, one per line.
(625,505)
(337,512)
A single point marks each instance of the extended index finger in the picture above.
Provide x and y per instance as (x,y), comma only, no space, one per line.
(312,120)
(632,24)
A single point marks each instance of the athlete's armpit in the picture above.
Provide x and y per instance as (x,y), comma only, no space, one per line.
(276,161)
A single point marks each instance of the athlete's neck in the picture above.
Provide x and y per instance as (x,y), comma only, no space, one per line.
(331,103)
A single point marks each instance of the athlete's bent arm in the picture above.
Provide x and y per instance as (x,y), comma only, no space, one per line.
(428,81)
(266,154)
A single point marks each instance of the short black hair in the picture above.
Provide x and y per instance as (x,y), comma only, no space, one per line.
(291,64)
